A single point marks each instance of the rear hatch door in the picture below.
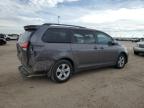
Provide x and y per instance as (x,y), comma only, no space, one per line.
(23,44)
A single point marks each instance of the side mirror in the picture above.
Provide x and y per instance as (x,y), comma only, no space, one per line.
(112,43)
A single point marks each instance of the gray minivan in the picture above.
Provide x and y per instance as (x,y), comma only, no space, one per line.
(59,50)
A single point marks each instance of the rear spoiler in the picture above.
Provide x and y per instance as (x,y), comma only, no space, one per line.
(31,27)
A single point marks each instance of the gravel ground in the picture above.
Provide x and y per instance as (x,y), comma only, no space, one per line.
(100,88)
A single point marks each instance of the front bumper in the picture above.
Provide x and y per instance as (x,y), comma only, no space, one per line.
(138,49)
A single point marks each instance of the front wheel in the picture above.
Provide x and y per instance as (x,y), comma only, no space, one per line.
(121,61)
(61,71)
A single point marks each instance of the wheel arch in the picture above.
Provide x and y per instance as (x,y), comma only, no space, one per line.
(124,53)
(70,60)
(59,59)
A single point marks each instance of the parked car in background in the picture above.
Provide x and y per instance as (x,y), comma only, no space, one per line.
(12,36)
(139,48)
(2,39)
(59,50)
(7,37)
(135,39)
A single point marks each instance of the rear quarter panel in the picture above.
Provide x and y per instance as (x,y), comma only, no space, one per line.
(46,54)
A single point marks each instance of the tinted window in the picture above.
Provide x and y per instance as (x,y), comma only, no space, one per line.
(2,36)
(83,37)
(103,38)
(56,35)
(25,36)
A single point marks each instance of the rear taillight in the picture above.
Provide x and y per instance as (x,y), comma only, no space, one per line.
(25,45)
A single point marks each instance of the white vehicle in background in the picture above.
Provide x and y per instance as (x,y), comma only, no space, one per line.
(139,48)
(12,37)
(7,37)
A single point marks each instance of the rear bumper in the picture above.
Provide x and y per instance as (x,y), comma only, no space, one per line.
(27,72)
(24,70)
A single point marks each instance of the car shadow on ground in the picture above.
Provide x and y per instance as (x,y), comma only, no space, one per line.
(93,71)
(80,74)
(140,55)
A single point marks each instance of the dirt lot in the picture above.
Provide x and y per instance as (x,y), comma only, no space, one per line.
(101,88)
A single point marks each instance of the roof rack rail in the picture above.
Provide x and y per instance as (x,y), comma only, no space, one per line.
(49,24)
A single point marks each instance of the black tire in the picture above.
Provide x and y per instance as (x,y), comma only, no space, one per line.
(136,53)
(8,39)
(121,61)
(4,42)
(57,75)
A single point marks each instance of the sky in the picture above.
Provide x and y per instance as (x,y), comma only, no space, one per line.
(117,17)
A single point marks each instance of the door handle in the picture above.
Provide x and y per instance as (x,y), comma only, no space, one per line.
(95,47)
(101,47)
(98,47)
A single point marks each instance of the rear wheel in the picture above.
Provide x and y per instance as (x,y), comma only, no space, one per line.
(7,39)
(121,61)
(2,42)
(61,71)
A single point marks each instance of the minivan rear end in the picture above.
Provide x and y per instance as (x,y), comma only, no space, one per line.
(23,49)
(40,47)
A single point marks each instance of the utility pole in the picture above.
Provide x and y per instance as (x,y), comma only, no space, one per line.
(58,19)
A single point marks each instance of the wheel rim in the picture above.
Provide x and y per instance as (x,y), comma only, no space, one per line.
(63,71)
(121,61)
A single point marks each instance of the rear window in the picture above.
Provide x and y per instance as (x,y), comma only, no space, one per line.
(25,36)
(56,35)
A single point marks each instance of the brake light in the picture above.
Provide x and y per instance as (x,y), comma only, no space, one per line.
(25,45)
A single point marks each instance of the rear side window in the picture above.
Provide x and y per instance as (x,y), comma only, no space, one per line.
(83,37)
(25,36)
(56,35)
